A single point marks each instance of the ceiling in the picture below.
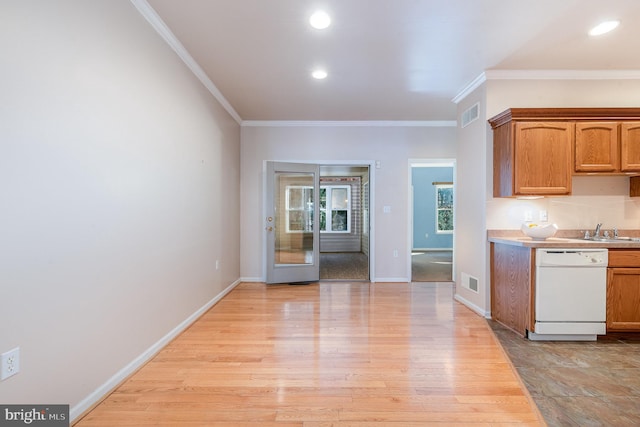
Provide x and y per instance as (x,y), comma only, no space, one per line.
(388,60)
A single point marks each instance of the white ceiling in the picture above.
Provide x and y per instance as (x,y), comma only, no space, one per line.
(391,60)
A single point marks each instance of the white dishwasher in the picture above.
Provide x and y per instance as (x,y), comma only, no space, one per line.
(570,294)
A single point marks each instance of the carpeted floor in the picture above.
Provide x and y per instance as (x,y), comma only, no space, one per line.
(344,266)
(431,266)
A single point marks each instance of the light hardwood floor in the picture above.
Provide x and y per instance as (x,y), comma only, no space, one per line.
(329,354)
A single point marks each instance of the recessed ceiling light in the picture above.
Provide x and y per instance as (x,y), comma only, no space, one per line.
(320,20)
(603,28)
(319,74)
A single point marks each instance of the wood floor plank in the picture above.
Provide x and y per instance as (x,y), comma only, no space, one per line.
(328,354)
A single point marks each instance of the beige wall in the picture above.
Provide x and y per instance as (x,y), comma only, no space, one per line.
(473,162)
(392,146)
(119,188)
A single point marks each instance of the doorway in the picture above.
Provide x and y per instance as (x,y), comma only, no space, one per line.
(432,213)
(344,223)
(317,222)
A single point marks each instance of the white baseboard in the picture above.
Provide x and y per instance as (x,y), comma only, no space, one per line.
(252,279)
(113,382)
(391,279)
(472,306)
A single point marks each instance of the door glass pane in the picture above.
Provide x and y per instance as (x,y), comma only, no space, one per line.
(298,199)
(294,218)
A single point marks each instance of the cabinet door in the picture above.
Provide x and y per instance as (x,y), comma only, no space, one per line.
(623,299)
(596,147)
(630,147)
(543,158)
(511,279)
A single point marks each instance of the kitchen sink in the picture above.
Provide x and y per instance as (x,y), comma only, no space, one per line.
(614,239)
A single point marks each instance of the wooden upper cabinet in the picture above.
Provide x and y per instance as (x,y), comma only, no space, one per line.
(532,158)
(597,147)
(542,156)
(607,147)
(537,150)
(630,147)
(634,186)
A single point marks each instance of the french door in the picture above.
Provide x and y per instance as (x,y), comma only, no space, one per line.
(292,222)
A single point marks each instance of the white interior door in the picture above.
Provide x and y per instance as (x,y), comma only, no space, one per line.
(291,222)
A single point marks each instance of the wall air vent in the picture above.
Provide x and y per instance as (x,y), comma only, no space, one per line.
(470,114)
(469,282)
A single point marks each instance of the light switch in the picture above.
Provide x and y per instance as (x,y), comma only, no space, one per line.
(544,216)
(386,209)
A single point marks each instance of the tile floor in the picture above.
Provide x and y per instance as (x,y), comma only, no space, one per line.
(579,383)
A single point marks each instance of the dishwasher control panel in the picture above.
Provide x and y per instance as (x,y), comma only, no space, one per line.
(572,257)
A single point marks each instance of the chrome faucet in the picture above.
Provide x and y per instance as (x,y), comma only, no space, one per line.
(597,232)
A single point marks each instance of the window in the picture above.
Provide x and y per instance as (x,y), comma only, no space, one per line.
(444,209)
(299,209)
(335,211)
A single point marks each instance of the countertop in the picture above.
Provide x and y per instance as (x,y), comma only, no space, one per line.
(562,239)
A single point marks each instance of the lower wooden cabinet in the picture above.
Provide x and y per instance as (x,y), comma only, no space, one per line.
(623,291)
(511,286)
(623,299)
(513,289)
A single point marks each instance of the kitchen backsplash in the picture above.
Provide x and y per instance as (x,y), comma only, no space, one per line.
(602,199)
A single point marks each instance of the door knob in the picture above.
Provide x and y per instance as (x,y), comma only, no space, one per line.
(270,219)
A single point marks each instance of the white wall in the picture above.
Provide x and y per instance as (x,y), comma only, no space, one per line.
(392,146)
(119,188)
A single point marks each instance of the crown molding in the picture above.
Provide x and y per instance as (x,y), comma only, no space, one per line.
(346,123)
(158,24)
(475,83)
(562,74)
(545,75)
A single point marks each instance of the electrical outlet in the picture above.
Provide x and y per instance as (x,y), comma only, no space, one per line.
(544,216)
(528,216)
(9,363)
(395,253)
(217,264)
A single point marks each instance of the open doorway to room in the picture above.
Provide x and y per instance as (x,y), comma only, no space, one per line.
(432,220)
(344,223)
